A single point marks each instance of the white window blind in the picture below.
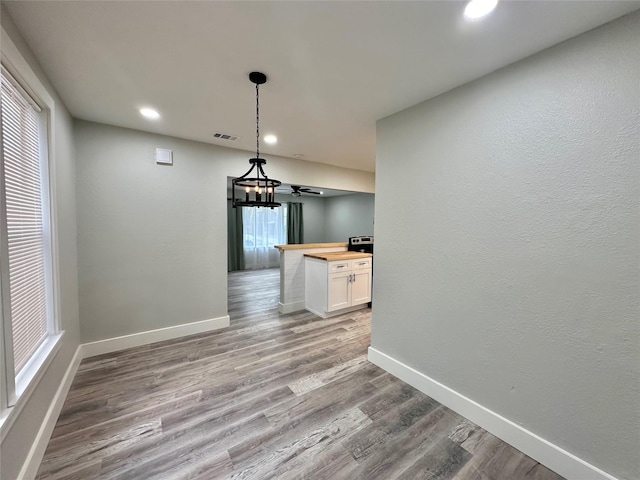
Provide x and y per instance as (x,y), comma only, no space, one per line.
(25,223)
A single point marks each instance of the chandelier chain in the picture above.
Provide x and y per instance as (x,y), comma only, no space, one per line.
(257,122)
(254,188)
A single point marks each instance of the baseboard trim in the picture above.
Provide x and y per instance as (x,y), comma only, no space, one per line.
(36,453)
(285,308)
(335,313)
(545,452)
(109,345)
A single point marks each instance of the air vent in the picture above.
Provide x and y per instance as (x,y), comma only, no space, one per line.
(226,136)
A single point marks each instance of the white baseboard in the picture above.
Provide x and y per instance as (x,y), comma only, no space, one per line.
(109,345)
(34,457)
(285,308)
(335,313)
(545,452)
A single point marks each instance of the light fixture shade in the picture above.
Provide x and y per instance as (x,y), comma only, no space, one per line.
(254,188)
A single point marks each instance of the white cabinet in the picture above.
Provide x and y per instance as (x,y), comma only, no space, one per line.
(361,287)
(338,291)
(335,287)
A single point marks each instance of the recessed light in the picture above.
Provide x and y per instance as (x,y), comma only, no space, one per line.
(149,113)
(298,155)
(479,8)
(270,139)
(321,192)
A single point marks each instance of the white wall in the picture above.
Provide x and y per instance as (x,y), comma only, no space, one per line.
(348,216)
(512,275)
(152,239)
(24,429)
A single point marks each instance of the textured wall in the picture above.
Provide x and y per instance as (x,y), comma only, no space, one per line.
(509,269)
(314,212)
(348,216)
(152,239)
(20,437)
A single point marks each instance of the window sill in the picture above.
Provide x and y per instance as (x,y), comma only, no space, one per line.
(28,380)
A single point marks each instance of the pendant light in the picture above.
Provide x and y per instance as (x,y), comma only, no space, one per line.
(254,188)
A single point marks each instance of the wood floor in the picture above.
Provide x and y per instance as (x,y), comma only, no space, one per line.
(271,397)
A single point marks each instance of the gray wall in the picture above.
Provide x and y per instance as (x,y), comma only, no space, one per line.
(348,216)
(152,239)
(314,212)
(21,436)
(522,290)
(314,215)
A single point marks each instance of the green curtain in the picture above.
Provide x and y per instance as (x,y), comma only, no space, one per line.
(235,236)
(295,224)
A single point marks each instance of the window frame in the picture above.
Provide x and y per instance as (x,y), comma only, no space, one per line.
(15,390)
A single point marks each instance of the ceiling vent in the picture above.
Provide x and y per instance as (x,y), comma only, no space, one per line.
(225,136)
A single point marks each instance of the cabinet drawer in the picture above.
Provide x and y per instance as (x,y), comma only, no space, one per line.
(360,263)
(335,267)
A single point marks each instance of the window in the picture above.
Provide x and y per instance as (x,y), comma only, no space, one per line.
(25,234)
(263,228)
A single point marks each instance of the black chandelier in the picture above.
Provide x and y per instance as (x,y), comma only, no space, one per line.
(255,189)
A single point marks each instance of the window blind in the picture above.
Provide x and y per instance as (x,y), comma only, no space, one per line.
(25,226)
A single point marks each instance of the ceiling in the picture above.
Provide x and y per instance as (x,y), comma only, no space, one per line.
(334,67)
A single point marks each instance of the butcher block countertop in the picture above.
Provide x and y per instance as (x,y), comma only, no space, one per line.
(303,246)
(337,256)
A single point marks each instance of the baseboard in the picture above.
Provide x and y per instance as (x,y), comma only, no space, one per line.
(335,313)
(285,308)
(109,345)
(545,452)
(39,446)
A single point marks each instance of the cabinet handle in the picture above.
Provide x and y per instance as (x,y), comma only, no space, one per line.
(339,266)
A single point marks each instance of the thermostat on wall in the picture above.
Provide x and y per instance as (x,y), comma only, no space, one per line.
(164,156)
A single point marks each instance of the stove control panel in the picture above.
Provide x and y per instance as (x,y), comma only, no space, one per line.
(361,240)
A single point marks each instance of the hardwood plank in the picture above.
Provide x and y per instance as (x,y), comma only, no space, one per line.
(67,461)
(302,449)
(440,462)
(319,379)
(109,422)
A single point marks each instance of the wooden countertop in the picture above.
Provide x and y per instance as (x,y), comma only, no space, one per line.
(337,256)
(303,246)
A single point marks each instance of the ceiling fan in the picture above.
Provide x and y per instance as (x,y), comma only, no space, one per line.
(296,191)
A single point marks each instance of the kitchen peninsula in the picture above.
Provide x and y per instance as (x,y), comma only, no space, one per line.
(292,272)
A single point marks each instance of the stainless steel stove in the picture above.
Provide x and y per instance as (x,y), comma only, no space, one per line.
(361,244)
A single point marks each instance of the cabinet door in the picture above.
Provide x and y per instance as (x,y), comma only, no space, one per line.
(339,291)
(361,287)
